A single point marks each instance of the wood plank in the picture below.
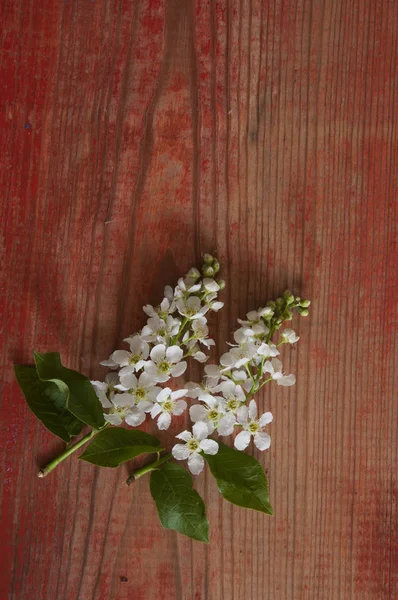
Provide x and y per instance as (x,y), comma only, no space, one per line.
(136,135)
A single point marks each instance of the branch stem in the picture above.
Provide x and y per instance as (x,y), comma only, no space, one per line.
(148,468)
(67,452)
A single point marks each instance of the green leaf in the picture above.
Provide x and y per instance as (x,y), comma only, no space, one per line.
(113,446)
(240,478)
(81,400)
(179,506)
(48,402)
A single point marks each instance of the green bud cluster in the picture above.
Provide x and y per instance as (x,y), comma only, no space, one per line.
(211,267)
(282,309)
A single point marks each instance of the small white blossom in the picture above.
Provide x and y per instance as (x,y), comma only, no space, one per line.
(233,394)
(143,388)
(195,443)
(210,285)
(128,408)
(165,363)
(162,310)
(247,417)
(267,350)
(201,332)
(290,336)
(168,403)
(160,330)
(237,357)
(274,368)
(210,413)
(139,351)
(191,307)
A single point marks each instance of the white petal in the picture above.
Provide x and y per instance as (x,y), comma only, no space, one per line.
(151,370)
(200,430)
(210,285)
(128,381)
(196,463)
(135,417)
(145,406)
(174,354)
(113,419)
(212,370)
(156,410)
(287,380)
(227,360)
(262,440)
(184,435)
(197,413)
(164,421)
(193,303)
(209,447)
(216,306)
(264,350)
(123,399)
(226,425)
(121,357)
(179,407)
(200,357)
(180,451)
(179,369)
(252,410)
(242,415)
(242,440)
(163,395)
(265,419)
(145,380)
(109,363)
(158,353)
(178,394)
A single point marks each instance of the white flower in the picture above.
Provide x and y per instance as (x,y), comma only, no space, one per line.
(210,285)
(251,334)
(134,360)
(195,443)
(274,368)
(160,330)
(187,286)
(168,403)
(141,389)
(233,394)
(191,307)
(127,407)
(103,389)
(290,336)
(253,316)
(211,303)
(210,413)
(165,363)
(162,310)
(267,350)
(237,357)
(247,417)
(201,332)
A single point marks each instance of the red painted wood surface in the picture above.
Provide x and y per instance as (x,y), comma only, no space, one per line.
(136,135)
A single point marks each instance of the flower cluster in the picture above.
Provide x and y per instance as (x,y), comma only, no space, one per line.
(175,330)
(225,401)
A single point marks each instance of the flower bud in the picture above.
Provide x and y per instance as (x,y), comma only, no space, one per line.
(208,259)
(193,274)
(303,312)
(216,266)
(288,296)
(305,303)
(271,304)
(221,284)
(287,315)
(207,271)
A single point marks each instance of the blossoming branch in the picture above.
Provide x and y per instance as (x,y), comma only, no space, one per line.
(137,387)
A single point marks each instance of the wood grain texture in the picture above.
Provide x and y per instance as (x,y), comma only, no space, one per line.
(136,135)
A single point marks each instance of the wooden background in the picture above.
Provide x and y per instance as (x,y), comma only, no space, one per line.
(134,136)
